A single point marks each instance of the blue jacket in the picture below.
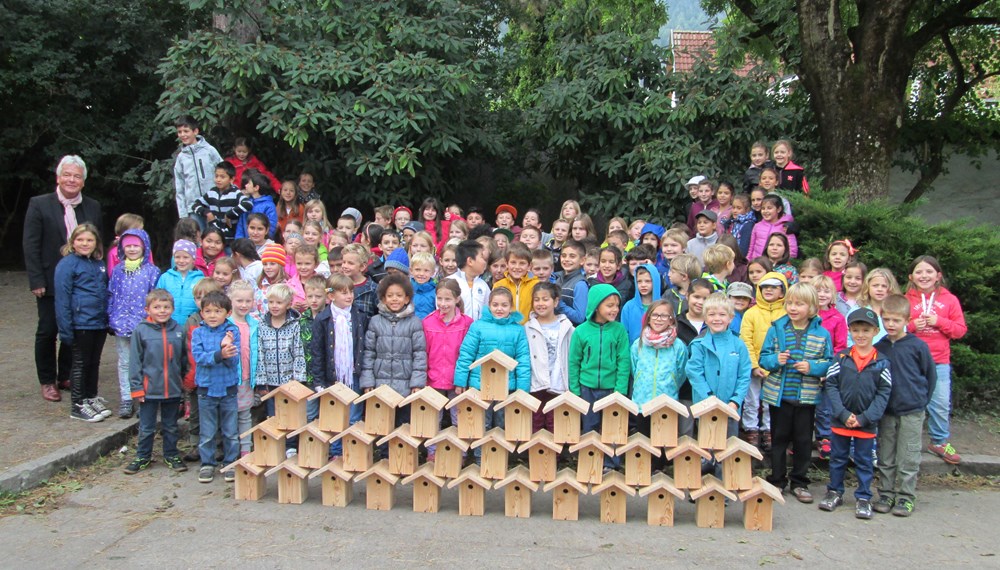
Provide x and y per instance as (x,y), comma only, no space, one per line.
(737,322)
(486,335)
(817,350)
(81,296)
(424,298)
(657,371)
(127,290)
(182,289)
(573,298)
(914,374)
(261,205)
(719,366)
(634,310)
(864,393)
(211,370)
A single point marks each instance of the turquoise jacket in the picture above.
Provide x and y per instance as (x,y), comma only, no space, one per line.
(657,371)
(182,289)
(486,335)
(719,366)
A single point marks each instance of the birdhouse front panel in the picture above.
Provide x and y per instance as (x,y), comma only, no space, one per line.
(663,428)
(250,485)
(660,509)
(687,471)
(380,417)
(638,467)
(758,513)
(334,415)
(292,489)
(268,450)
(565,503)
(566,425)
(357,454)
(710,511)
(614,425)
(380,493)
(337,491)
(426,496)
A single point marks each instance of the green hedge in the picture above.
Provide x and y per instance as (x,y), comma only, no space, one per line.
(891,236)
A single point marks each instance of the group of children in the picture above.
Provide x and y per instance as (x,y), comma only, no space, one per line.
(826,353)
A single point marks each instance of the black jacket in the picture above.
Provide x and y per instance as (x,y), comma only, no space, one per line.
(45,234)
(863,393)
(322,366)
(913,374)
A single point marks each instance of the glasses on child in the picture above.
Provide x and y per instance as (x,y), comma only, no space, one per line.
(659,317)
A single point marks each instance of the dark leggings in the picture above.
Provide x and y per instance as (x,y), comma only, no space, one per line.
(50,367)
(83,376)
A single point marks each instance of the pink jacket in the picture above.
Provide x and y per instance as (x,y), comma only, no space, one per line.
(762,230)
(836,325)
(950,322)
(443,343)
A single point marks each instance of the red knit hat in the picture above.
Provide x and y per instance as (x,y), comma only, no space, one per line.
(405,209)
(275,253)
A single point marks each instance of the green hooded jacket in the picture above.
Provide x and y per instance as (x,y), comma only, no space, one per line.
(599,353)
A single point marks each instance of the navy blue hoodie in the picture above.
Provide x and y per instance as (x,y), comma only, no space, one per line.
(913,374)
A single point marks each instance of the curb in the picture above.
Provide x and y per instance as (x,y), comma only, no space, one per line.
(981,465)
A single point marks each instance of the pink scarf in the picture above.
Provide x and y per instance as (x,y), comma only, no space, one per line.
(664,339)
(69,213)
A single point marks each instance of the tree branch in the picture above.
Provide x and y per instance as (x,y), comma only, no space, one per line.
(749,9)
(953,17)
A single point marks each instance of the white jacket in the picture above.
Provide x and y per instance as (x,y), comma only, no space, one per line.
(541,377)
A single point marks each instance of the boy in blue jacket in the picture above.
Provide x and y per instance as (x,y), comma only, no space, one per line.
(573,282)
(647,290)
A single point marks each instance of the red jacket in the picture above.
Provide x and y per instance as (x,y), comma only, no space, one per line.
(441,238)
(255,163)
(950,322)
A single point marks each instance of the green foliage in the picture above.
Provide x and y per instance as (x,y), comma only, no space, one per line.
(890,236)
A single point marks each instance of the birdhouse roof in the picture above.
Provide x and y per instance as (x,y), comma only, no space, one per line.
(470,473)
(591,439)
(661,482)
(541,437)
(519,474)
(402,433)
(712,403)
(470,395)
(336,468)
(614,480)
(432,397)
(760,486)
(497,356)
(426,471)
(520,397)
(296,391)
(338,392)
(383,393)
(380,469)
(313,428)
(566,477)
(268,426)
(664,401)
(356,430)
(246,462)
(616,399)
(496,436)
(451,436)
(685,444)
(736,445)
(637,440)
(567,399)
(290,465)
(709,484)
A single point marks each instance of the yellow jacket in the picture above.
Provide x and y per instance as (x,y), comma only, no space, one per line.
(758,318)
(522,291)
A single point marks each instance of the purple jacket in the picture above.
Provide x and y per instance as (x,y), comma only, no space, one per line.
(127,290)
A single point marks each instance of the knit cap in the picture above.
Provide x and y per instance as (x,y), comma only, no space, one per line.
(398,260)
(274,253)
(354,213)
(414,226)
(185,246)
(131,239)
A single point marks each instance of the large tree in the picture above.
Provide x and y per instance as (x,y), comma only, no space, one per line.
(855,59)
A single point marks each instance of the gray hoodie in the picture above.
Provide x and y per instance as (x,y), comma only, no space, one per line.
(194,174)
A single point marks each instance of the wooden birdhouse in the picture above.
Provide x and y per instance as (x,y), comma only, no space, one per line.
(567,409)
(338,485)
(494,375)
(660,495)
(590,458)
(251,484)
(449,452)
(380,409)
(471,414)
(664,413)
(758,505)
(357,445)
(289,404)
(710,499)
(268,443)
(713,418)
(566,492)
(638,454)
(426,489)
(314,446)
(293,484)
(518,487)
(471,492)
(335,407)
(380,487)
(517,419)
(403,451)
(737,471)
(687,458)
(614,497)
(543,453)
(425,405)
(495,447)
(615,409)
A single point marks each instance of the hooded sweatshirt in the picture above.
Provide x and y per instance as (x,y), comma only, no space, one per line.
(634,309)
(758,318)
(521,290)
(543,377)
(486,335)
(194,174)
(127,289)
(261,205)
(251,162)
(81,296)
(182,289)
(157,360)
(792,177)
(657,370)
(444,339)
(950,322)
(914,375)
(599,353)
(763,230)
(811,345)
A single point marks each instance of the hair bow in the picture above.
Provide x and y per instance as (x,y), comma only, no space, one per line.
(851,250)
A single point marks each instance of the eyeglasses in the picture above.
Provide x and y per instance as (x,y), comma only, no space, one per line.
(656,317)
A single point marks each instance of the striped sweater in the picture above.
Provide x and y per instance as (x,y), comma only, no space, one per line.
(812,345)
(227,207)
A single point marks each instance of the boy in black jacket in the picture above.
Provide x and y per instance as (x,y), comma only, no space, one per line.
(900,430)
(858,386)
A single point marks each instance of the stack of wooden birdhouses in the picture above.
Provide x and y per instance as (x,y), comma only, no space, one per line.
(542,449)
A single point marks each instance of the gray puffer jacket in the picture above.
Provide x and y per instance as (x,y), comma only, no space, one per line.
(395,351)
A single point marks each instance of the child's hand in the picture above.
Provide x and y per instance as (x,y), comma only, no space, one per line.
(229,351)
(140,399)
(931,320)
(760,373)
(801,366)
(299,306)
(447,214)
(852,422)
(920,323)
(783,357)
(459,390)
(227,340)
(734,406)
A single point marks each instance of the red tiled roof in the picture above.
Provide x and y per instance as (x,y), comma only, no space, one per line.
(688,46)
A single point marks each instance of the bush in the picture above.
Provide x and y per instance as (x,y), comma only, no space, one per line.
(890,236)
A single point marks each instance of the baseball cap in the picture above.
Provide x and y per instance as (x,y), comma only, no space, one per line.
(707,214)
(863,315)
(740,289)
(696,180)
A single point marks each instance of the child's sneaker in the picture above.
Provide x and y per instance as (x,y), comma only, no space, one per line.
(753,438)
(903,508)
(824,449)
(192,454)
(206,474)
(99,405)
(125,409)
(85,413)
(291,452)
(175,463)
(765,440)
(229,476)
(946,452)
(863,510)
(884,504)
(802,494)
(831,501)
(138,464)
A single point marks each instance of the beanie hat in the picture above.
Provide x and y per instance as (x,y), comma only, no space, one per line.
(131,239)
(398,260)
(354,213)
(274,253)
(401,208)
(185,246)
(415,226)
(293,235)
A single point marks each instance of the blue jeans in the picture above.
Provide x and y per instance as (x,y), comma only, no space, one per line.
(824,415)
(168,410)
(592,420)
(939,408)
(215,415)
(840,452)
